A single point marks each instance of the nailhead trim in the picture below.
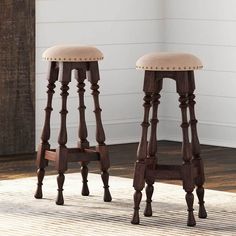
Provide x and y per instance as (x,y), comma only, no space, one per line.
(73,59)
(169,68)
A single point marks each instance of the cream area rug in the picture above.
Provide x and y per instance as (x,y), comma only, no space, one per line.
(22,215)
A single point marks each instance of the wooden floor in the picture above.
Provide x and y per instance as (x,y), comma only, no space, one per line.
(220,164)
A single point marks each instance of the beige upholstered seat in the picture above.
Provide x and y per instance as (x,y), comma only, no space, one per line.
(72,53)
(166,61)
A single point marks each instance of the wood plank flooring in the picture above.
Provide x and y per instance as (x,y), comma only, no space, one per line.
(220,164)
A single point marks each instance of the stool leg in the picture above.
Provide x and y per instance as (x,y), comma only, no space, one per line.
(60,183)
(84,173)
(41,161)
(188,183)
(152,150)
(139,172)
(83,133)
(61,152)
(200,179)
(100,134)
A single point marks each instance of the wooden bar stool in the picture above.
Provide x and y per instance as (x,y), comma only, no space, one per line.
(84,60)
(180,67)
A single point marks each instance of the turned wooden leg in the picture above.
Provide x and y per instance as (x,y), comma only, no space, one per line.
(84,173)
(197,160)
(188,182)
(198,163)
(40,175)
(152,150)
(100,134)
(83,133)
(149,192)
(139,171)
(41,161)
(105,178)
(60,183)
(61,151)
(150,86)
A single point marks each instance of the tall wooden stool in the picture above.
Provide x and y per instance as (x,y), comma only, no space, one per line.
(84,60)
(179,67)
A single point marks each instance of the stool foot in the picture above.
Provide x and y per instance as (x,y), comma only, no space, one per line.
(60,182)
(191,219)
(105,178)
(148,208)
(40,173)
(202,211)
(137,200)
(84,173)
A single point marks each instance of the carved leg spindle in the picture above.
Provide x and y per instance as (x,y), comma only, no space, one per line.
(188,182)
(40,175)
(83,133)
(200,179)
(61,152)
(139,172)
(84,173)
(100,135)
(60,183)
(41,161)
(152,150)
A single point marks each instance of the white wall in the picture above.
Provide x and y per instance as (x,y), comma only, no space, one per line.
(206,28)
(123,30)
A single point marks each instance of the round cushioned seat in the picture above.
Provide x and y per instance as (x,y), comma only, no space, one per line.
(166,61)
(72,53)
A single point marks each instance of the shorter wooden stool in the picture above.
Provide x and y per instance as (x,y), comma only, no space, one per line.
(64,59)
(180,67)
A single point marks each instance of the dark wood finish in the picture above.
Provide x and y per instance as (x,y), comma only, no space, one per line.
(83,133)
(61,151)
(17,77)
(139,176)
(191,172)
(41,161)
(100,134)
(60,183)
(197,160)
(85,155)
(152,148)
(84,173)
(62,155)
(40,175)
(188,180)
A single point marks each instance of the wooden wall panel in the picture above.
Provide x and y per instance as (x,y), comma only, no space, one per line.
(17,76)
